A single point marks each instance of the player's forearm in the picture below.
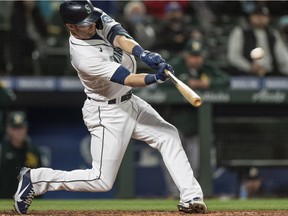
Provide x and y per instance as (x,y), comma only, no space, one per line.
(124,43)
(141,80)
(153,60)
(135,80)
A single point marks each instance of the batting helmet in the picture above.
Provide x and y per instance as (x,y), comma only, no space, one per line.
(79,13)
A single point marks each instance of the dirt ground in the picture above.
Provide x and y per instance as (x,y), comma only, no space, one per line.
(146,213)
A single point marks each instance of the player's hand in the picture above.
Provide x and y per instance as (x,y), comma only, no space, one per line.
(153,60)
(161,76)
(170,68)
(258,69)
(198,84)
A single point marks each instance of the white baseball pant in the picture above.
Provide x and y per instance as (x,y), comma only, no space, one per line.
(111,127)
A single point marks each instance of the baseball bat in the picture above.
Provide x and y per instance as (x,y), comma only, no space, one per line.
(187,92)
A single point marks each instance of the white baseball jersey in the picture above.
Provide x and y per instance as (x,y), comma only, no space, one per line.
(112,125)
(96,60)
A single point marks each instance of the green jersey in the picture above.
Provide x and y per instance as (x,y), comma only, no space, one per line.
(13,159)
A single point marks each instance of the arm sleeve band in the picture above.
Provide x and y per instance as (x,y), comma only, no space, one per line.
(137,50)
(120,75)
(117,30)
(150,79)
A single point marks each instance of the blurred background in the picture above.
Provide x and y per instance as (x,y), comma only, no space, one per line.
(237,141)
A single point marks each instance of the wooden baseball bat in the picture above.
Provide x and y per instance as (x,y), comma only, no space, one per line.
(187,92)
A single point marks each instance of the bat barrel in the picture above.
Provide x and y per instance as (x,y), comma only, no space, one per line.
(187,92)
(197,102)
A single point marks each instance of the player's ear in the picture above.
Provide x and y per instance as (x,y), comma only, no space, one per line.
(70,26)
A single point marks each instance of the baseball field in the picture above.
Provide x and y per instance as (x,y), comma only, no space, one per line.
(139,207)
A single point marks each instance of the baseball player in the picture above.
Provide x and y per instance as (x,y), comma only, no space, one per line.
(102,53)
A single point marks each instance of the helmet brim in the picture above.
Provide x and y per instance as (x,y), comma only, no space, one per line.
(92,18)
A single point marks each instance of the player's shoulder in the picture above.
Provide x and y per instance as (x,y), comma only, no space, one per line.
(105,20)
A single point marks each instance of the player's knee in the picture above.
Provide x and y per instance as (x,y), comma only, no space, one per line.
(171,133)
(102,186)
(102,183)
(107,186)
(171,138)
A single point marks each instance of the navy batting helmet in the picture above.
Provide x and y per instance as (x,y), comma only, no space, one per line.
(79,13)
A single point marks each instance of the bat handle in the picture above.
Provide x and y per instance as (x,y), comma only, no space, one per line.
(171,75)
(167,72)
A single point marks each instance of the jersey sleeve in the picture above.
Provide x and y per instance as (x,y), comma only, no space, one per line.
(110,28)
(102,69)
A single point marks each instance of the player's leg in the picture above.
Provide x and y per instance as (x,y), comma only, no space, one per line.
(159,134)
(98,179)
(108,146)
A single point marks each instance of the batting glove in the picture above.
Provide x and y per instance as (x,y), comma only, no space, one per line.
(170,68)
(153,60)
(161,76)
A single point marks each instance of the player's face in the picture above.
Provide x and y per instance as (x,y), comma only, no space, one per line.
(194,61)
(83,32)
(259,20)
(17,136)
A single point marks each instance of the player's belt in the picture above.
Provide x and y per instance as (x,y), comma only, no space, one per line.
(123,98)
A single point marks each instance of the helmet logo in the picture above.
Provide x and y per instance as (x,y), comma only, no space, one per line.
(88,9)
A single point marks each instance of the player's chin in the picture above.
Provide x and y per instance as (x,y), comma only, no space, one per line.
(91,33)
(88,35)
